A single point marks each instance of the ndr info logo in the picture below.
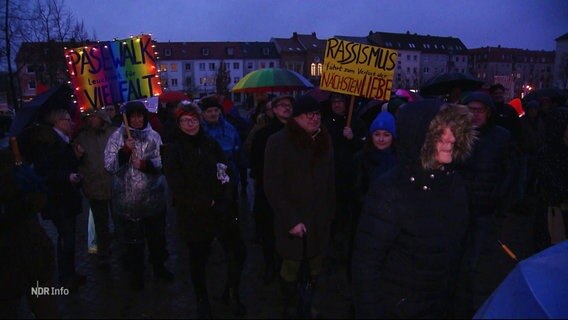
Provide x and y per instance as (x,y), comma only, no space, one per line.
(48,291)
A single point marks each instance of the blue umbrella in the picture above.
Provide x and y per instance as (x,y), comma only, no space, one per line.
(536,288)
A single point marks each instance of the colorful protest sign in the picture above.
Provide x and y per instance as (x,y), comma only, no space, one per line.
(358,69)
(113,72)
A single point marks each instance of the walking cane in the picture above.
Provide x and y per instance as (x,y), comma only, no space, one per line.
(16,151)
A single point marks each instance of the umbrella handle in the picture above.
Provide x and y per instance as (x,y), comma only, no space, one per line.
(350,112)
(508,251)
(16,151)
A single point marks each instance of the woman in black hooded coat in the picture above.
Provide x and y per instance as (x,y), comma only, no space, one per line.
(412,228)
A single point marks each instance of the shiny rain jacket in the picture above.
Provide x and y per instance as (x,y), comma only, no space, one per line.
(136,194)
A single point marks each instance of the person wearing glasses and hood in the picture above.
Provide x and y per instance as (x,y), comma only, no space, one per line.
(411,232)
(300,186)
(198,176)
(138,196)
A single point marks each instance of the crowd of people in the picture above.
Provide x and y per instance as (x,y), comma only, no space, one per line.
(403,199)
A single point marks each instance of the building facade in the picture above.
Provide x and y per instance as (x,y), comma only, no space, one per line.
(517,69)
(561,62)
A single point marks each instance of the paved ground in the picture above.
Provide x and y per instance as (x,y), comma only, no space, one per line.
(106,295)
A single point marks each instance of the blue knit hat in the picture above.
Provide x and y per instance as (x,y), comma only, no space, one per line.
(384,121)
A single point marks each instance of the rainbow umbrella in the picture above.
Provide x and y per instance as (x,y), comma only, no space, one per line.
(272,80)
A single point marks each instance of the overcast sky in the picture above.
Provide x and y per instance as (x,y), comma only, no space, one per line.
(524,24)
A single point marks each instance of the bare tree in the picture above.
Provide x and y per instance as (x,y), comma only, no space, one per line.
(47,21)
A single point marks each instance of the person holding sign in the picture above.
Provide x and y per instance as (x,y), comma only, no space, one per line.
(347,140)
(413,226)
(132,156)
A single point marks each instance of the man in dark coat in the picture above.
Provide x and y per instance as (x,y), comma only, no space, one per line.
(299,185)
(263,214)
(347,141)
(57,162)
(487,173)
(409,241)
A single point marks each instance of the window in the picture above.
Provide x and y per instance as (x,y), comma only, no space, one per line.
(249,65)
(236,65)
(319,69)
(426,70)
(313,69)
(35,68)
(407,57)
(187,66)
(205,51)
(167,52)
(407,69)
(265,51)
(415,57)
(271,64)
(174,82)
(263,65)
(235,79)
(227,66)
(414,70)
(164,67)
(212,66)
(174,67)
(202,66)
(31,84)
(230,51)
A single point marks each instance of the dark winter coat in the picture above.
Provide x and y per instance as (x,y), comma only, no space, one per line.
(54,161)
(300,186)
(26,252)
(487,171)
(552,159)
(190,167)
(411,231)
(97,182)
(344,151)
(371,163)
(258,147)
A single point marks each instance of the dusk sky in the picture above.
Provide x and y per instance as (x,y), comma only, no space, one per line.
(524,24)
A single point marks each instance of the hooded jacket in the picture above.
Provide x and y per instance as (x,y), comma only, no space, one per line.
(412,228)
(136,193)
(96,183)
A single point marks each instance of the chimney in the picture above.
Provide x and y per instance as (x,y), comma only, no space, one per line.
(294,35)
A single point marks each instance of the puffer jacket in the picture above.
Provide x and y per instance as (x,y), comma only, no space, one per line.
(135,193)
(412,229)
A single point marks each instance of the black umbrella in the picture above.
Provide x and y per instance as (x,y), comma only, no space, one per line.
(445,82)
(552,93)
(58,97)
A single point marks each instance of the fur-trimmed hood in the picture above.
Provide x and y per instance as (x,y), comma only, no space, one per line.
(420,124)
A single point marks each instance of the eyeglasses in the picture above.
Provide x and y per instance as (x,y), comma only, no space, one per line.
(313,115)
(284,105)
(477,110)
(190,122)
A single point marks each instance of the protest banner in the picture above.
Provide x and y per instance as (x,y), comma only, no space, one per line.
(112,72)
(358,69)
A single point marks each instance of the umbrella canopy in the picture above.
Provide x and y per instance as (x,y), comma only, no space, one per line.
(552,93)
(272,80)
(34,110)
(319,94)
(443,83)
(172,96)
(536,288)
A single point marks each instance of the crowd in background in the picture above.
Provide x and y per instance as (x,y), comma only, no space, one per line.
(401,192)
